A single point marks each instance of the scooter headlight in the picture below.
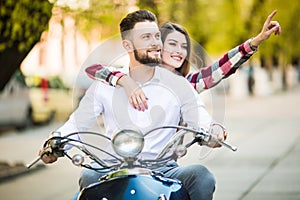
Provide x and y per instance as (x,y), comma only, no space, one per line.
(128,143)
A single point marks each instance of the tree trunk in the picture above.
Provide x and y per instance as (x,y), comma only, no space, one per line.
(269,67)
(10,59)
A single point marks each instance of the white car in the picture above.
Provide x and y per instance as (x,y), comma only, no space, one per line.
(15,105)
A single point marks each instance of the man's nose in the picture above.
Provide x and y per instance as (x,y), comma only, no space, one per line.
(155,41)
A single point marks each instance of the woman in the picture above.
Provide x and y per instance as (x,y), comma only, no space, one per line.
(176,57)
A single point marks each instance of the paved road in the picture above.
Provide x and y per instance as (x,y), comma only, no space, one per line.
(266,165)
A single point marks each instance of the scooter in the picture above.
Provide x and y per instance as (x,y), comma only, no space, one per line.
(128,174)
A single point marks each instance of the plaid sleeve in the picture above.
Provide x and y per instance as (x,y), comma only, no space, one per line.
(113,77)
(210,76)
(102,73)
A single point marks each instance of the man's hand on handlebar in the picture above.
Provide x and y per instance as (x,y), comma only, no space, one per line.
(214,144)
(217,135)
(46,157)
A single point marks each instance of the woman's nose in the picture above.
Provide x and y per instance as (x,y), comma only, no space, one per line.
(179,49)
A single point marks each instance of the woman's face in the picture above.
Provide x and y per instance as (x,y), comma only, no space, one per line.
(174,50)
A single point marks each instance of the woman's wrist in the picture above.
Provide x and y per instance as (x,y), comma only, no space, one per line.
(253,45)
(255,41)
(122,80)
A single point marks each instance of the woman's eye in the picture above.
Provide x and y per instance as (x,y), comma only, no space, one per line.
(172,44)
(184,47)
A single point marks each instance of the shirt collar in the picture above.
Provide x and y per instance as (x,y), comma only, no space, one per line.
(156,76)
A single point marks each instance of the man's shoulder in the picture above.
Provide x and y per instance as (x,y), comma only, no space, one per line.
(168,74)
(178,84)
(102,86)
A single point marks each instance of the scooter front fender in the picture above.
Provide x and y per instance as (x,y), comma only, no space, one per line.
(135,187)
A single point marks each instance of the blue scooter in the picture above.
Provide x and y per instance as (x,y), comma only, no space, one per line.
(127,174)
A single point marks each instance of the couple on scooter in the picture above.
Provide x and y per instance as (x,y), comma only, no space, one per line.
(168,97)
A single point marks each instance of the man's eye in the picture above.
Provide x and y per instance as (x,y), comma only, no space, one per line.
(157,36)
(146,37)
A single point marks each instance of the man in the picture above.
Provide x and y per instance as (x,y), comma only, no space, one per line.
(170,98)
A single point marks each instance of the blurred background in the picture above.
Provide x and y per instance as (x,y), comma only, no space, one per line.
(44,45)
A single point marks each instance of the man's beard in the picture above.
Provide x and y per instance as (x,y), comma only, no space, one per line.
(145,59)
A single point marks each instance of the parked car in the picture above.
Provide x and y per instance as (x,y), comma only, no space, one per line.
(17,107)
(50,98)
(15,104)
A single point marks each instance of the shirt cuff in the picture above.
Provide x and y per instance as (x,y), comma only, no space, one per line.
(115,76)
(248,48)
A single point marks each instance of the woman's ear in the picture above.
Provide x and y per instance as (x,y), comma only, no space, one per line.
(127,45)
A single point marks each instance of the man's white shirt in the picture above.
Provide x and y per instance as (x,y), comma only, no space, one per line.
(169,97)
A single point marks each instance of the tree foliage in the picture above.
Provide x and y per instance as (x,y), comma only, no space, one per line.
(218,25)
(102,17)
(22,22)
(21,25)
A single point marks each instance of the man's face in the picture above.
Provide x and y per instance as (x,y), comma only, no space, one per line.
(147,42)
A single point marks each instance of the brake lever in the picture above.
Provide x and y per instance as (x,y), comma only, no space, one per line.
(28,166)
(204,139)
(233,148)
(38,158)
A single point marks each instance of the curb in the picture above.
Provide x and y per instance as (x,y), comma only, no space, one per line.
(8,171)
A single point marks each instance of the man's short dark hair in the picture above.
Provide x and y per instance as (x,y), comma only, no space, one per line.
(132,18)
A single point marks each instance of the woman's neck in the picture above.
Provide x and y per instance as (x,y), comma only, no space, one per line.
(168,67)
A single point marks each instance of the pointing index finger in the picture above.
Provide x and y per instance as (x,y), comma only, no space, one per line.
(271,16)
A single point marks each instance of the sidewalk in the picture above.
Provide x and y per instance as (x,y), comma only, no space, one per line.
(265,166)
(266,131)
(57,181)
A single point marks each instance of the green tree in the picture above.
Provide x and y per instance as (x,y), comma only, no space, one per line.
(279,51)
(149,5)
(21,25)
(100,19)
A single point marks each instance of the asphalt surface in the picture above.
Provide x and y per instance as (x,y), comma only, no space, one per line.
(266,131)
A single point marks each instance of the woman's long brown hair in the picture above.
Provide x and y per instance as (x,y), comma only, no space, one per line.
(165,30)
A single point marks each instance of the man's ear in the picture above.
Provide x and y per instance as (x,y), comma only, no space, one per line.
(127,45)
